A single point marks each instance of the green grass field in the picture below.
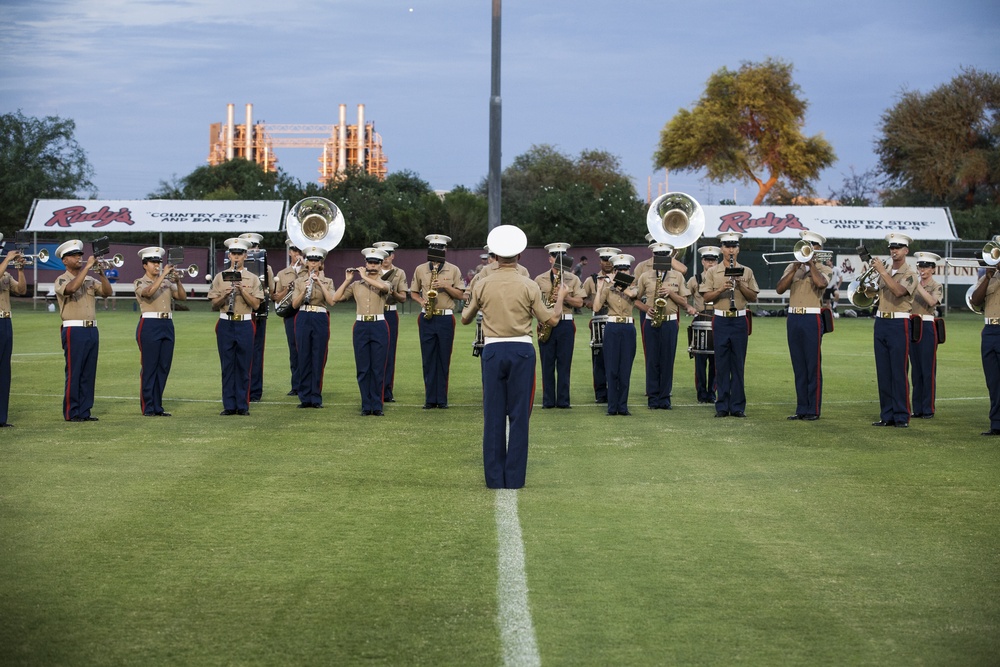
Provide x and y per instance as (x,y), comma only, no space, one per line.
(320,537)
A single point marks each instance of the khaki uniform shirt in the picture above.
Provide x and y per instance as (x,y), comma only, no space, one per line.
(698,301)
(672,280)
(991,304)
(920,307)
(803,292)
(889,302)
(316,297)
(715,278)
(544,282)
(448,275)
(397,283)
(369,300)
(240,306)
(508,301)
(6,282)
(81,304)
(617,303)
(590,291)
(286,277)
(161,299)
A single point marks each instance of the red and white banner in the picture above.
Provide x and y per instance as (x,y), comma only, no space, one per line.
(73,216)
(833,222)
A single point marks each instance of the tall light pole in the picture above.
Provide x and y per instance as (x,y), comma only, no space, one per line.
(493,176)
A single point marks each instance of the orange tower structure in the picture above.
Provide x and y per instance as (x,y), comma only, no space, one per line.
(342,145)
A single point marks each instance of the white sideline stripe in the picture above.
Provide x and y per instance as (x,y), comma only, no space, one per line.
(517,633)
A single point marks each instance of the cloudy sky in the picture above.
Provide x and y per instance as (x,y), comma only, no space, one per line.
(143,79)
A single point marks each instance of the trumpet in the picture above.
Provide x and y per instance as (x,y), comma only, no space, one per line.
(803,252)
(104,264)
(39,257)
(191,271)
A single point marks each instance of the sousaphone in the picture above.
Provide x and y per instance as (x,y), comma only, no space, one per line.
(675,218)
(315,221)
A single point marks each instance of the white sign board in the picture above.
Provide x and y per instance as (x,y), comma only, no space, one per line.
(73,216)
(833,222)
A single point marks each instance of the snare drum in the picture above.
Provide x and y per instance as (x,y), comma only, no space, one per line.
(700,340)
(597,324)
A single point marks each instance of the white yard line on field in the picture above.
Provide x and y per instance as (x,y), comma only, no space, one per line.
(517,633)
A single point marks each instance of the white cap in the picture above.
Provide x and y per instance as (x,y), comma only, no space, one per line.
(314,252)
(729,237)
(440,239)
(152,252)
(661,247)
(70,247)
(812,237)
(291,244)
(558,247)
(710,250)
(374,253)
(605,253)
(253,238)
(622,260)
(485,255)
(237,245)
(507,241)
(926,258)
(649,238)
(386,246)
(896,237)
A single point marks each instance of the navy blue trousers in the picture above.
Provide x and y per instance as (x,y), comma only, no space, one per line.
(508,392)
(892,351)
(437,338)
(6,352)
(731,335)
(235,342)
(257,369)
(293,353)
(990,351)
(80,347)
(557,359)
(805,338)
(155,338)
(659,347)
(371,345)
(923,369)
(392,319)
(312,339)
(619,354)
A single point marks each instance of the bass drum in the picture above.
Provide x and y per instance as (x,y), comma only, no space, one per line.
(700,340)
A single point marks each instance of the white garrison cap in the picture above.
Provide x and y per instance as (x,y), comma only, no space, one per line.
(253,238)
(314,252)
(710,251)
(507,241)
(606,253)
(730,237)
(928,258)
(812,237)
(622,259)
(386,246)
(291,244)
(558,247)
(374,253)
(152,252)
(74,247)
(661,247)
(237,245)
(896,237)
(438,238)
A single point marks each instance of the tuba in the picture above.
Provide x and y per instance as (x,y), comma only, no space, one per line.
(315,221)
(675,218)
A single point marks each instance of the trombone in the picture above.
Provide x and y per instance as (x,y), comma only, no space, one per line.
(990,257)
(803,253)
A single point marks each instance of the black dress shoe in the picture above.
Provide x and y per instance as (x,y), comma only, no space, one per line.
(721,413)
(6,425)
(882,423)
(378,413)
(992,431)
(226,413)
(564,407)
(442,406)
(740,414)
(163,414)
(927,415)
(430,406)
(625,413)
(316,405)
(809,418)
(390,400)
(547,407)
(77,419)
(902,424)
(366,413)
(304,405)
(91,419)
(243,413)
(292,393)
(793,417)
(611,414)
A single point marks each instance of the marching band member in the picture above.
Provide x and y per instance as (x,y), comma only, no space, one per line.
(598,321)
(313,293)
(647,264)
(8,286)
(923,353)
(557,350)
(396,277)
(508,302)
(260,324)
(807,281)
(730,325)
(704,364)
(77,292)
(234,332)
(897,284)
(986,295)
(155,331)
(619,334)
(371,331)
(436,322)
(660,326)
(283,284)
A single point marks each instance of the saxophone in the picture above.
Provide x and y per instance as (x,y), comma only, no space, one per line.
(659,304)
(432,295)
(545,330)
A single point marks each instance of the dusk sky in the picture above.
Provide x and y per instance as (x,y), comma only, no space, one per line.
(143,79)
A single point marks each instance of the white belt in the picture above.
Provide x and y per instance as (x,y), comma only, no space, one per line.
(565,317)
(157,316)
(513,339)
(78,323)
(927,318)
(370,318)
(313,309)
(619,320)
(730,313)
(388,308)
(446,311)
(804,311)
(993,320)
(666,318)
(4,314)
(893,316)
(235,318)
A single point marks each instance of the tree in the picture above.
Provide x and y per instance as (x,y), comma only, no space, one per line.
(747,126)
(39,158)
(943,147)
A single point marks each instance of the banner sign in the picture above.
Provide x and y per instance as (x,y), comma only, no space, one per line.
(73,216)
(833,222)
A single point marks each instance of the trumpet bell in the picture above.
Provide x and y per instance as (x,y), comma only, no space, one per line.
(192,271)
(315,221)
(858,297)
(675,218)
(968,300)
(42,255)
(991,253)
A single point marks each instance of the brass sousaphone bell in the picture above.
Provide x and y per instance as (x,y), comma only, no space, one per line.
(675,218)
(315,221)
